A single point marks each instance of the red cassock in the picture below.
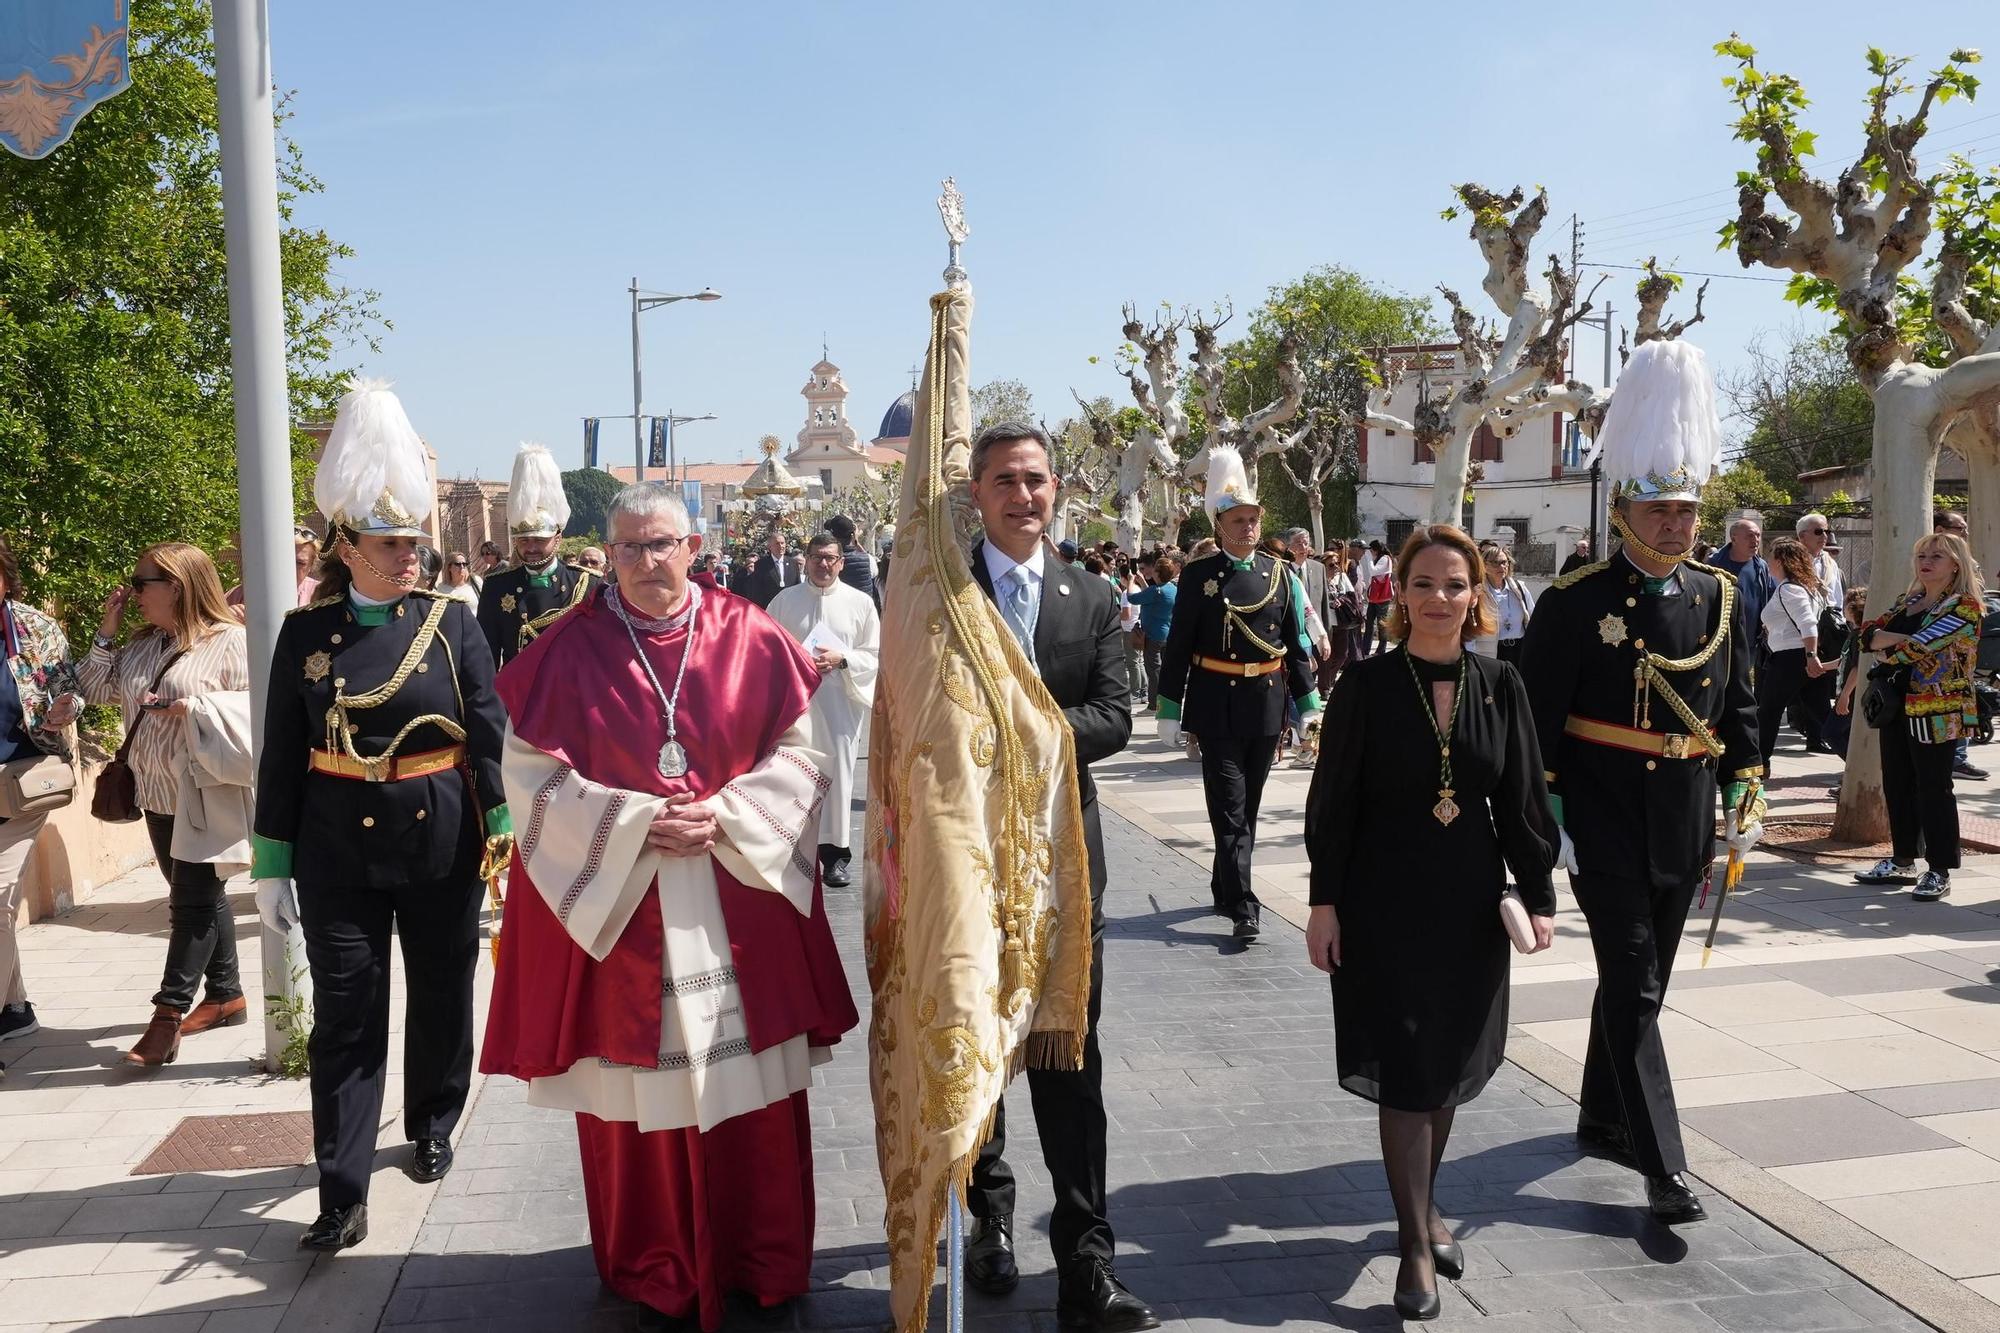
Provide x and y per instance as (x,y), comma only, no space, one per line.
(679,1217)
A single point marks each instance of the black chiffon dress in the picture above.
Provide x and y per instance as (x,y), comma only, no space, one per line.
(1420,996)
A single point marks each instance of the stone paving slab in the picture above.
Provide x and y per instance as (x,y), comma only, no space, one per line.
(1823,998)
(1246,1187)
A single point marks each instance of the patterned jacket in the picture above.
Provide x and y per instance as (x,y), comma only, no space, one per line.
(42,672)
(1939,703)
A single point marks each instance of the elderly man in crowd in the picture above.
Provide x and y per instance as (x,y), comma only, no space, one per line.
(667,971)
(1741,556)
(838,626)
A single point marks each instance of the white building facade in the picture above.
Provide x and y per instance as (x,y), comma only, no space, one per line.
(1529,490)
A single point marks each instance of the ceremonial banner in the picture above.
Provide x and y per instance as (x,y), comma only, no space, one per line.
(656,447)
(691,497)
(58,59)
(977,882)
(590,441)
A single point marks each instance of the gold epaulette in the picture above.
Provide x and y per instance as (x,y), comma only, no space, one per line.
(1716,570)
(335,600)
(424,592)
(1579,573)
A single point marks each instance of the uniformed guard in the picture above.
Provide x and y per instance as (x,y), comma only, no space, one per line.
(1638,669)
(518,603)
(1237,648)
(377,792)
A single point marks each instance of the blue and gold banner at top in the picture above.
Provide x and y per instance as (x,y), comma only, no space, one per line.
(58,59)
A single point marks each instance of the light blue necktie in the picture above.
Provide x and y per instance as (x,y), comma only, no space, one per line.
(1018,610)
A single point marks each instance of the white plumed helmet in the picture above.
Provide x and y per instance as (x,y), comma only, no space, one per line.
(374,477)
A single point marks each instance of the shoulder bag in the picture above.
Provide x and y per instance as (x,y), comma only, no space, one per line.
(1882,698)
(35,785)
(115,798)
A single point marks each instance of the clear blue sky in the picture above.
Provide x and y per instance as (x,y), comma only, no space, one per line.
(502,172)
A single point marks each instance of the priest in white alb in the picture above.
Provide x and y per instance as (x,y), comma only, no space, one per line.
(837,624)
(666,968)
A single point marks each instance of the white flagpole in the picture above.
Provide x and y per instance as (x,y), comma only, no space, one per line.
(257,361)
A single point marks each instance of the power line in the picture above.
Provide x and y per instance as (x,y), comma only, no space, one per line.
(1713,194)
(1689,272)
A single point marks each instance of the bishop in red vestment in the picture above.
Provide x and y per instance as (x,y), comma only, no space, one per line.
(666,968)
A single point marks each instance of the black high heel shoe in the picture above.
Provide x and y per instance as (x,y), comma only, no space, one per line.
(1420,1304)
(1449,1259)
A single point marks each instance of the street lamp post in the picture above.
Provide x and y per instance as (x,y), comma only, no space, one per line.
(672,421)
(642,302)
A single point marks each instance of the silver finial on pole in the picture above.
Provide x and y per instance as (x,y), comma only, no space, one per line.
(951,207)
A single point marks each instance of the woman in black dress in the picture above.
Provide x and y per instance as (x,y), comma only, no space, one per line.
(1428,792)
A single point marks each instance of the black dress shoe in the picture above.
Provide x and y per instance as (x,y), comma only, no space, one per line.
(1449,1259)
(1671,1201)
(337,1228)
(836,875)
(1596,1139)
(432,1160)
(989,1256)
(1247,928)
(1089,1295)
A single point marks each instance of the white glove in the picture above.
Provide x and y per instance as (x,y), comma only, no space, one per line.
(277,904)
(1741,840)
(1567,857)
(1170,731)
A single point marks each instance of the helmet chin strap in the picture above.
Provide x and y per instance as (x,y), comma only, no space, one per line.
(1624,531)
(403,581)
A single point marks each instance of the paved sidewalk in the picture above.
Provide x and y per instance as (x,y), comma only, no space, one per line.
(1243,1180)
(84,1244)
(1244,1183)
(1838,1061)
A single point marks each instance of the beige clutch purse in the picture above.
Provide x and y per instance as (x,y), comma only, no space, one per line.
(1514,916)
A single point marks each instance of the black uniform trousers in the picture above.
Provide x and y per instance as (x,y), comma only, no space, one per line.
(1233,770)
(1917,788)
(347,945)
(1635,930)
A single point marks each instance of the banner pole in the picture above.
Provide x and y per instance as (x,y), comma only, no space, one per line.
(954,1265)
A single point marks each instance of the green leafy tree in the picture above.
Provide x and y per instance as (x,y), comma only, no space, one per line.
(1742,485)
(1001,400)
(1929,360)
(1336,317)
(116,414)
(589,491)
(1803,404)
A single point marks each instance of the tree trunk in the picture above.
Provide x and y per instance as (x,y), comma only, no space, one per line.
(1314,521)
(1454,466)
(1907,405)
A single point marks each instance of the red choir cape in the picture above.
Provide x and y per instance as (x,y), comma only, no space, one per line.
(577,692)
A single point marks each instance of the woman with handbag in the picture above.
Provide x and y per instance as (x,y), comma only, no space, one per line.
(1428,792)
(191,649)
(37,701)
(1919,696)
(1791,622)
(1377,578)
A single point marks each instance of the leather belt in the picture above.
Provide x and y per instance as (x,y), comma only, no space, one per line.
(396,769)
(1222,668)
(1665,745)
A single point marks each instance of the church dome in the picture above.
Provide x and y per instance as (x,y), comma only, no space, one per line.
(897,420)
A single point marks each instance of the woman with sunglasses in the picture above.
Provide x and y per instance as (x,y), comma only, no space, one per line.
(190,656)
(457,583)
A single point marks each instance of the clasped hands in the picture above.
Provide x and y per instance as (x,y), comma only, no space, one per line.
(686,827)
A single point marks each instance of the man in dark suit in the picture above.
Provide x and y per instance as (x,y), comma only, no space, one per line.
(1067,623)
(775,571)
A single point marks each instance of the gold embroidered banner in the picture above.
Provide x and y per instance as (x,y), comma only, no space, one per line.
(977,882)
